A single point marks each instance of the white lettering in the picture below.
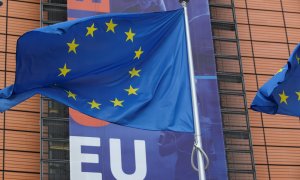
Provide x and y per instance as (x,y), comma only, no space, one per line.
(116,160)
(77,158)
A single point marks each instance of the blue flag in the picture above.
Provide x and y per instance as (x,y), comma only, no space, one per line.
(128,69)
(281,94)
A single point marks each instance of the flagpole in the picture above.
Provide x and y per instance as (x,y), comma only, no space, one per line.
(198,142)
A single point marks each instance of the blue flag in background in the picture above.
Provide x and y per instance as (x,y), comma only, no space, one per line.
(128,69)
(281,94)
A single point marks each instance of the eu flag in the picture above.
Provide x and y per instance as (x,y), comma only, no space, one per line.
(281,94)
(128,69)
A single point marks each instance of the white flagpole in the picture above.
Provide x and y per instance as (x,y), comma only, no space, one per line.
(198,142)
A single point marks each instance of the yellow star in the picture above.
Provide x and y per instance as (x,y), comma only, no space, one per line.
(138,53)
(298,59)
(111,26)
(280,70)
(298,93)
(132,90)
(283,97)
(134,72)
(64,71)
(130,35)
(94,104)
(72,46)
(71,95)
(90,30)
(117,102)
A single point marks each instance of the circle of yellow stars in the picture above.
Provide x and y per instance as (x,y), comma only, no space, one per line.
(72,48)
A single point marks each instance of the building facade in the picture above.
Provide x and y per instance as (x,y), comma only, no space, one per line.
(252,39)
(268,32)
(20,129)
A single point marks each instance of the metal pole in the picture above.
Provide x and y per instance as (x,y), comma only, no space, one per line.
(198,142)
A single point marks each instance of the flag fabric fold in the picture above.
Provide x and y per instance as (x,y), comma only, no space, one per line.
(128,69)
(281,94)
